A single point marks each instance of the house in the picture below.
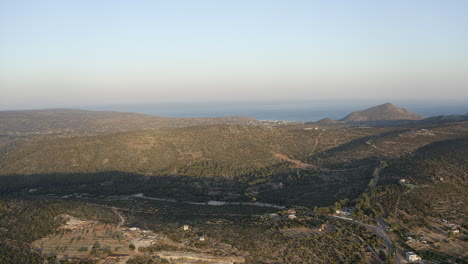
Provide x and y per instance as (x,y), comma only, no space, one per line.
(402,181)
(138,195)
(292,216)
(291,211)
(186,227)
(345,211)
(201,238)
(145,242)
(411,257)
(455,230)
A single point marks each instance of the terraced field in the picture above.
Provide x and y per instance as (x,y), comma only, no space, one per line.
(301,232)
(85,240)
(108,243)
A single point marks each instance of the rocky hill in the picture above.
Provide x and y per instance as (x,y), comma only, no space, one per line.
(382,112)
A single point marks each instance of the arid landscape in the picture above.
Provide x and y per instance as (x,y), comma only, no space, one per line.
(240,194)
(228,132)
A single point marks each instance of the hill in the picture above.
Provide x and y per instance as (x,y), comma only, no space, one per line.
(326,121)
(57,121)
(382,112)
(444,119)
(202,163)
(389,143)
(283,165)
(223,150)
(430,202)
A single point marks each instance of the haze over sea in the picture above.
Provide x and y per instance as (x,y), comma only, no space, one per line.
(281,110)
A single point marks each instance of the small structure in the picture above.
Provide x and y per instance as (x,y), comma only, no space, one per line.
(201,238)
(411,257)
(455,230)
(186,227)
(291,211)
(292,216)
(402,181)
(345,211)
(145,242)
(216,203)
(323,227)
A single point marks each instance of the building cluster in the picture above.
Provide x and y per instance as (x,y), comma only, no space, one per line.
(410,239)
(453,228)
(273,123)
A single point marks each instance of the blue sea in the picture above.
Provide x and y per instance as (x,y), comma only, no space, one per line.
(282,110)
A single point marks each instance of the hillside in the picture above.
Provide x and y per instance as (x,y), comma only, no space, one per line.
(435,177)
(326,121)
(222,150)
(389,143)
(444,119)
(382,112)
(57,121)
(430,202)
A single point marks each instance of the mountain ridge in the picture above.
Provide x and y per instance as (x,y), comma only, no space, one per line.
(75,120)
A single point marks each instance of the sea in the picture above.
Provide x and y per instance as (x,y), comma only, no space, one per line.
(281,110)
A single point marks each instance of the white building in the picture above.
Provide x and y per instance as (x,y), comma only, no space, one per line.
(292,216)
(344,211)
(411,257)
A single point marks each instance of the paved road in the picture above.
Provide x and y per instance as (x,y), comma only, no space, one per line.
(380,230)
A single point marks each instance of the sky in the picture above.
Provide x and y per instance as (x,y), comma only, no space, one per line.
(56,53)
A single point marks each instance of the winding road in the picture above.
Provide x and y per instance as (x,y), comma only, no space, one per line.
(380,230)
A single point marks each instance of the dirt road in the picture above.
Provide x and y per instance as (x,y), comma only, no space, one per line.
(122,219)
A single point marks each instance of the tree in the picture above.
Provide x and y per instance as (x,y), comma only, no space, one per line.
(131,247)
(96,245)
(382,255)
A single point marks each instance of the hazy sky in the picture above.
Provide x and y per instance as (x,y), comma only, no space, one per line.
(65,53)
